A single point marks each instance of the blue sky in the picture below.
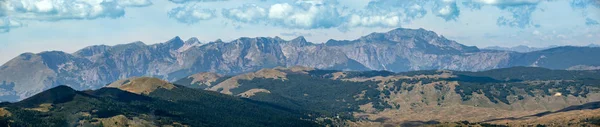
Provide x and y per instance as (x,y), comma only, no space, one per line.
(68,25)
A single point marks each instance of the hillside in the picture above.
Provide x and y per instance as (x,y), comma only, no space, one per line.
(177,106)
(398,50)
(302,96)
(382,98)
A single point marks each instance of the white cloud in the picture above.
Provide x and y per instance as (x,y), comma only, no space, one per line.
(306,15)
(521,10)
(391,20)
(6,24)
(324,14)
(536,32)
(191,13)
(14,11)
(280,11)
(446,9)
(55,10)
(406,10)
(298,15)
(134,3)
(186,1)
(249,13)
(507,2)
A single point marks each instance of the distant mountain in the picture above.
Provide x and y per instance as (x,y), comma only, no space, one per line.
(387,98)
(520,48)
(525,49)
(398,50)
(160,106)
(593,45)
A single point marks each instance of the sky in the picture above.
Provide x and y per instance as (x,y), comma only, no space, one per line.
(69,25)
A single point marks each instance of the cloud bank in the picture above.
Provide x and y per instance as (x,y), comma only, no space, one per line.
(323,14)
(14,11)
(293,14)
(55,10)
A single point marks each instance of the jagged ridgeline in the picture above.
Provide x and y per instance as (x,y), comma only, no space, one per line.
(382,97)
(397,50)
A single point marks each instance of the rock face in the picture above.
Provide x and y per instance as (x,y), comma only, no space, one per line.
(397,50)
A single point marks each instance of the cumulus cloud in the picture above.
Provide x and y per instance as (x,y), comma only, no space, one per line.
(408,9)
(191,13)
(3,9)
(305,15)
(185,1)
(521,11)
(591,22)
(299,15)
(387,13)
(14,11)
(316,14)
(249,13)
(580,4)
(55,10)
(446,9)
(134,3)
(386,20)
(507,2)
(6,24)
(521,17)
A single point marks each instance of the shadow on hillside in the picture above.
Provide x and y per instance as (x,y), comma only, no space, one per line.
(418,123)
(591,105)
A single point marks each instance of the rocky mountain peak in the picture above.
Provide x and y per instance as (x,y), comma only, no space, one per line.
(300,40)
(192,41)
(189,43)
(218,41)
(175,43)
(54,59)
(137,43)
(277,38)
(91,50)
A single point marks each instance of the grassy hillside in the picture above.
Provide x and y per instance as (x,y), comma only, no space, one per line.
(387,98)
(63,106)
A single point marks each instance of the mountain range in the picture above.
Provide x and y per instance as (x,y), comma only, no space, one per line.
(304,96)
(399,50)
(525,49)
(520,48)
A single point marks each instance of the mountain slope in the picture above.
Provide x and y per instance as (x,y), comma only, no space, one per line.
(398,50)
(381,97)
(179,106)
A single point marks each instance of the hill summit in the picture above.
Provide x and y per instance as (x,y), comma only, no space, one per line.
(141,85)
